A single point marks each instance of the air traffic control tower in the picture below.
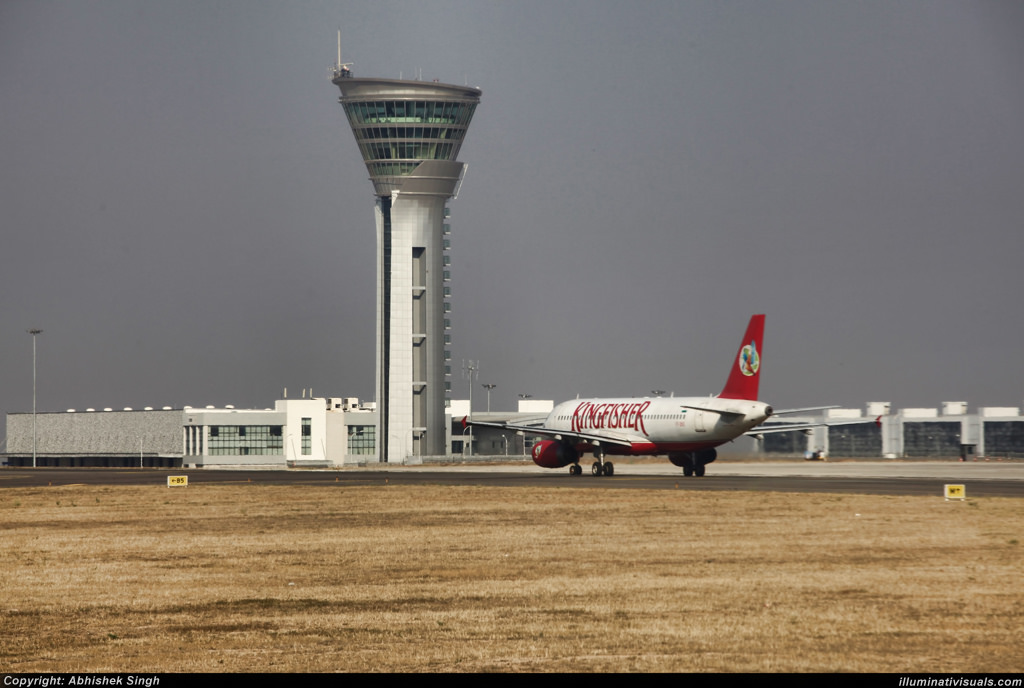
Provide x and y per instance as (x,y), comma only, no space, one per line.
(409,133)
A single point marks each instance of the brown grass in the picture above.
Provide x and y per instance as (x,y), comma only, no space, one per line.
(390,578)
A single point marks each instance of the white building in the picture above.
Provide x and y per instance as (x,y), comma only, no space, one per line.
(296,432)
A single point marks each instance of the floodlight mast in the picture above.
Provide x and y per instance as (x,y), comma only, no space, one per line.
(471,370)
(489,386)
(34,331)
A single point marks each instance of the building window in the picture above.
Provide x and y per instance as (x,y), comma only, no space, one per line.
(307,436)
(362,439)
(1004,438)
(245,440)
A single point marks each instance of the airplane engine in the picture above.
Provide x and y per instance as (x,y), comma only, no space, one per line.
(691,459)
(554,454)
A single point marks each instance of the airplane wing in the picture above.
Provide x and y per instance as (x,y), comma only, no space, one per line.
(801,410)
(806,427)
(592,437)
(712,409)
(530,422)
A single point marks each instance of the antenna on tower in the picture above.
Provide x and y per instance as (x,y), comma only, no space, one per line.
(341,69)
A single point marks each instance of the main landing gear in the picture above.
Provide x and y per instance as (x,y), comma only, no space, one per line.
(598,468)
(693,463)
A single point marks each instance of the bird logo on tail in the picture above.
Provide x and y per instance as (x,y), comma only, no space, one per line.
(749,360)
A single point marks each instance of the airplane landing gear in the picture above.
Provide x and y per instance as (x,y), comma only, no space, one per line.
(693,463)
(693,468)
(601,467)
(575,469)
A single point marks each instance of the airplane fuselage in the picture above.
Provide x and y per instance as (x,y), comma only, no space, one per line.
(659,425)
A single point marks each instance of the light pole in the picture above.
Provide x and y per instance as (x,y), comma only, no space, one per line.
(471,371)
(522,398)
(34,331)
(488,386)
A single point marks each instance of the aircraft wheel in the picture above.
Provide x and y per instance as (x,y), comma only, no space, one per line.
(699,471)
(574,469)
(596,468)
(609,468)
(687,471)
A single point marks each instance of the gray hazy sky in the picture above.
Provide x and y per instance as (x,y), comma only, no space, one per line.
(186,214)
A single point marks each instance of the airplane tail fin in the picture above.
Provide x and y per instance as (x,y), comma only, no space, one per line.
(746,370)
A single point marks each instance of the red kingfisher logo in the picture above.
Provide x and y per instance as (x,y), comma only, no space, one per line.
(591,416)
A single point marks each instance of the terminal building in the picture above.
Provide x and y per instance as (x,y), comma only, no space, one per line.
(339,431)
(315,433)
(409,134)
(994,431)
(296,432)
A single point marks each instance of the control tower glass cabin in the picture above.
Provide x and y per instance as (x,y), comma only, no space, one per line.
(409,133)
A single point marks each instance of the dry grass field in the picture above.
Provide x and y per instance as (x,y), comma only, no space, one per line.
(296,578)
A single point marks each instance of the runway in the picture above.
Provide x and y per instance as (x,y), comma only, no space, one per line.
(981,479)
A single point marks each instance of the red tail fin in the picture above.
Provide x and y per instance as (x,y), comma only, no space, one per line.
(746,369)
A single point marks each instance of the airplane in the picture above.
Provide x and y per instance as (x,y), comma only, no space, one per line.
(686,429)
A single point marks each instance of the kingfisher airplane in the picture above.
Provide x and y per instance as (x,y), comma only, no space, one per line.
(686,429)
